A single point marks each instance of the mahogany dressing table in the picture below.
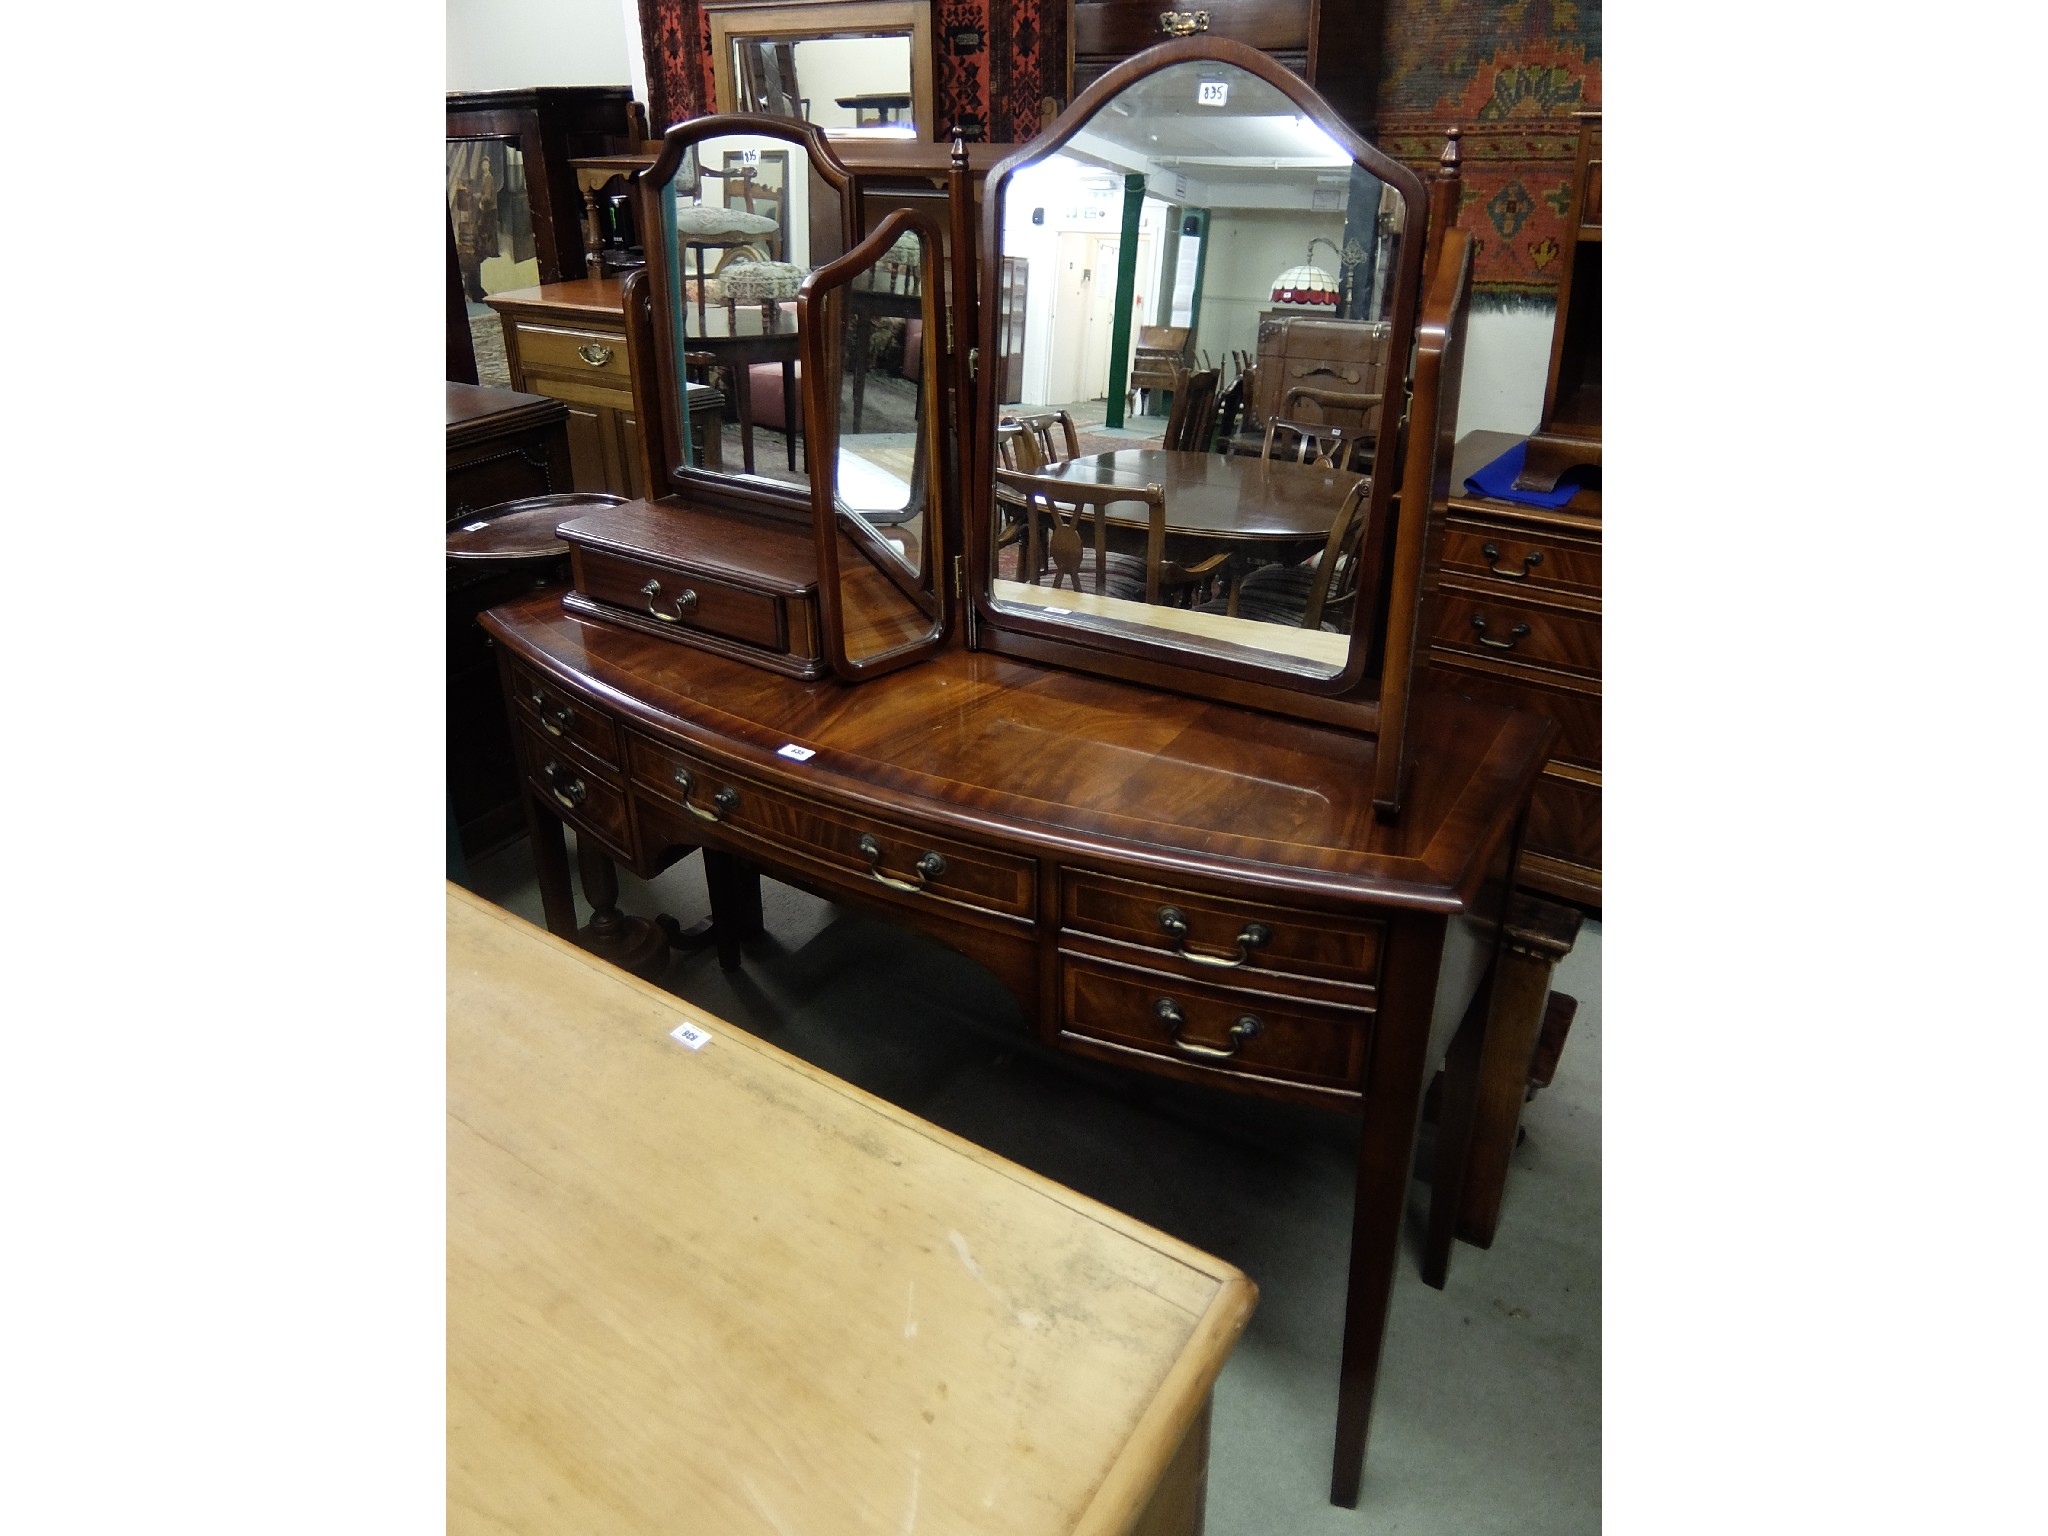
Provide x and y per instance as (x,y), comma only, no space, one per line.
(1276,873)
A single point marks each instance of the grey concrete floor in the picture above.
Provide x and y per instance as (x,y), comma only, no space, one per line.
(1488,1413)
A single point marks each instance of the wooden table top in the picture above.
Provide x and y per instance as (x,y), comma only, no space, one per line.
(715,1289)
(1214,495)
(589,298)
(978,741)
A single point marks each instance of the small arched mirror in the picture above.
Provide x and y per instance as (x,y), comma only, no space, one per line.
(1239,542)
(873,324)
(741,211)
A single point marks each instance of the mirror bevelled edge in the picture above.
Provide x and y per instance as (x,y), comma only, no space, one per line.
(715,487)
(1347,696)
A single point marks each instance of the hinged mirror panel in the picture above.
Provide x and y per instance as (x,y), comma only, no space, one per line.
(741,210)
(874,354)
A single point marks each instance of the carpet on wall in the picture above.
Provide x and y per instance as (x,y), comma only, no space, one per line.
(1511,74)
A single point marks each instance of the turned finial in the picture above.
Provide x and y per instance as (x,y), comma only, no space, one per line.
(959,150)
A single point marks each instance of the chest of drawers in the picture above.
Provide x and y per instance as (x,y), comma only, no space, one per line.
(1516,621)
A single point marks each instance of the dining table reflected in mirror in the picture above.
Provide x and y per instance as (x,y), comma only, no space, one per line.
(850,68)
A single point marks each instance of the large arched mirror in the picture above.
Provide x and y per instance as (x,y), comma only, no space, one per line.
(741,210)
(1241,543)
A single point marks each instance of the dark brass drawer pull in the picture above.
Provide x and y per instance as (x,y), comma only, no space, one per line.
(1529,563)
(929,867)
(1519,632)
(1168,1012)
(595,353)
(1252,936)
(570,794)
(724,803)
(1183,23)
(555,722)
(684,601)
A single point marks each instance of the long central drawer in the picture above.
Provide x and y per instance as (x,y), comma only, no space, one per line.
(908,866)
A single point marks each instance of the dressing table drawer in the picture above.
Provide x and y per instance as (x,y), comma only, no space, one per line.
(1221,935)
(1535,564)
(1233,1030)
(577,353)
(561,716)
(576,790)
(1482,624)
(913,865)
(684,599)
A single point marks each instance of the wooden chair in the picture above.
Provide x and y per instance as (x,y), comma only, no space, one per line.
(1040,428)
(1055,509)
(1322,595)
(1017,449)
(1317,443)
(1193,420)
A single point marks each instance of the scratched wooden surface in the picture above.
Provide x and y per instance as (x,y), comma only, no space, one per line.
(718,1290)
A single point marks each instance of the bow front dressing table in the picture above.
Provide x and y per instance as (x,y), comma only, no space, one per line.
(1271,872)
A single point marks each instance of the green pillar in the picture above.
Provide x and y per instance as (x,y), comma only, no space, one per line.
(1126,286)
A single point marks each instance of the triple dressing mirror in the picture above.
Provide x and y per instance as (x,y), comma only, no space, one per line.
(1229,554)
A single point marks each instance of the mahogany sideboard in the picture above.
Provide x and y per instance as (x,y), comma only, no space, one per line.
(1516,621)
(1174,885)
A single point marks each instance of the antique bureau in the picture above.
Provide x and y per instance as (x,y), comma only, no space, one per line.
(1228,852)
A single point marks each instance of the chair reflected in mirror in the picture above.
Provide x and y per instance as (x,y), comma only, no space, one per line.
(1319,593)
(1321,444)
(1193,420)
(1039,427)
(1055,511)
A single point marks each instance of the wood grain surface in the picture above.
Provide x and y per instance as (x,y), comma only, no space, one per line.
(718,1290)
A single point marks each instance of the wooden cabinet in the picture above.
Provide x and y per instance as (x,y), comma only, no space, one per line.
(1515,620)
(1332,44)
(568,341)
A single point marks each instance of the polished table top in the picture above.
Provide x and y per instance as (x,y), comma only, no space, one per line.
(1212,495)
(714,1289)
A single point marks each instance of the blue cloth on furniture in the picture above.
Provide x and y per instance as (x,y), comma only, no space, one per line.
(1498,481)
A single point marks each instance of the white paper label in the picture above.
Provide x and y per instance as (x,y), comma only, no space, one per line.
(1062,612)
(691,1036)
(795,753)
(1212,93)
(473,527)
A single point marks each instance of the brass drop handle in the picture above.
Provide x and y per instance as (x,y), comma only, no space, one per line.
(1520,631)
(1169,1013)
(684,601)
(1183,23)
(929,867)
(723,804)
(595,353)
(1529,563)
(570,794)
(555,722)
(1250,937)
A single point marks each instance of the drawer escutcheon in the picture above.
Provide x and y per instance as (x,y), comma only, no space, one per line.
(1252,936)
(684,601)
(571,794)
(929,867)
(1169,1013)
(1529,563)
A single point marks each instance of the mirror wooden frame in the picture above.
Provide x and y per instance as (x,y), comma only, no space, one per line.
(1350,697)
(715,487)
(823,350)
(797,20)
